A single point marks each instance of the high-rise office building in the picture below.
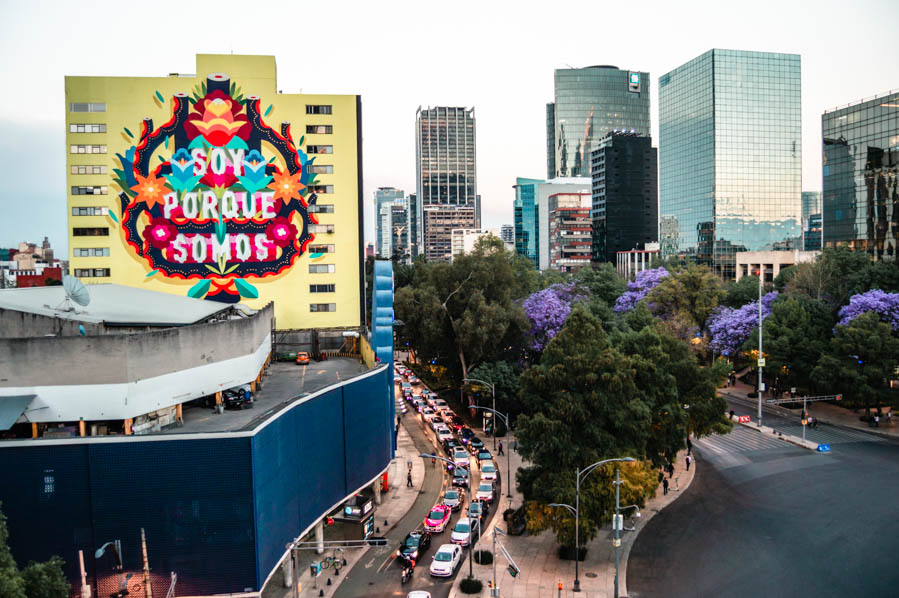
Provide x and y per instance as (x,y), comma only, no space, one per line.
(569,231)
(811,220)
(590,102)
(384,195)
(730,156)
(527,232)
(446,177)
(861,176)
(393,229)
(507,233)
(625,195)
(413,223)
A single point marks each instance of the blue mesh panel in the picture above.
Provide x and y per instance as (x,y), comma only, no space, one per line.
(320,452)
(368,429)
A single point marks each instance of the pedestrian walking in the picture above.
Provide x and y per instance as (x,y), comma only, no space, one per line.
(889,417)
(515,444)
(689,446)
(689,460)
(732,414)
(671,470)
(500,447)
(665,486)
(409,480)
(876,421)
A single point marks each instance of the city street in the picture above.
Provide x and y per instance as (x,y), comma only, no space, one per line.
(764,517)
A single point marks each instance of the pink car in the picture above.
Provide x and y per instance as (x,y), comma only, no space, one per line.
(438,518)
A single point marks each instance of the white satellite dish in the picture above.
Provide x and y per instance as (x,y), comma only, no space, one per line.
(75,290)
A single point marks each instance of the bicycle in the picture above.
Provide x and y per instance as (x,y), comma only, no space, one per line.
(335,560)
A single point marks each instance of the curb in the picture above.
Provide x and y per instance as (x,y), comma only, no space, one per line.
(806,444)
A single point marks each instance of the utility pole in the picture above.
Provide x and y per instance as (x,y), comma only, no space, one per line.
(617,525)
(761,355)
(147,584)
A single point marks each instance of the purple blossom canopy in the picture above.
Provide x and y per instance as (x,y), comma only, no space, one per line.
(637,289)
(886,305)
(548,309)
(731,327)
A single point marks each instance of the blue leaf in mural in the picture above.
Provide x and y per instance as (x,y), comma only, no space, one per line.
(182,178)
(237,143)
(159,95)
(113,216)
(198,291)
(246,289)
(151,273)
(167,137)
(254,177)
(129,133)
(128,166)
(268,110)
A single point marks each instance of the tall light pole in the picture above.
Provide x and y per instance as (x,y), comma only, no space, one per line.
(492,392)
(579,476)
(618,523)
(761,355)
(436,456)
(505,419)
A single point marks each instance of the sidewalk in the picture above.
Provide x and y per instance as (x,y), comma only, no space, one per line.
(826,413)
(394,505)
(536,556)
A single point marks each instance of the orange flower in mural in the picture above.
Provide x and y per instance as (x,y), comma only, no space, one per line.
(150,189)
(286,185)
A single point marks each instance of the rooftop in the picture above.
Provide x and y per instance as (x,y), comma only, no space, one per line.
(112,304)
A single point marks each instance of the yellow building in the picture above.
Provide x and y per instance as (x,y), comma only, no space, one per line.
(217,185)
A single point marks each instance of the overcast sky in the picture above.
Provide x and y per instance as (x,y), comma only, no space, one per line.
(496,56)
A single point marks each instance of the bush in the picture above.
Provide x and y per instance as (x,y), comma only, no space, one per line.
(470,585)
(483,557)
(566,553)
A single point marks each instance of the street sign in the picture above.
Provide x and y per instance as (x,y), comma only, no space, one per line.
(617,522)
(743,419)
(761,362)
(616,542)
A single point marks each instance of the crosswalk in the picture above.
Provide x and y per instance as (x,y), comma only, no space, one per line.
(740,440)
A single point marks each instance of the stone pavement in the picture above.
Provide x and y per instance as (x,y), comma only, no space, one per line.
(394,505)
(536,556)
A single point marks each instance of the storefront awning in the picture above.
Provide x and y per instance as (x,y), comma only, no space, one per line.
(11,408)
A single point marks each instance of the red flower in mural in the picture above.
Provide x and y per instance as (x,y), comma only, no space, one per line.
(281,231)
(160,232)
(217,118)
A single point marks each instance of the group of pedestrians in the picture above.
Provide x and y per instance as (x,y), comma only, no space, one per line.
(669,469)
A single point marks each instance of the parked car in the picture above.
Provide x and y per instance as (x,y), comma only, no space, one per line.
(464,529)
(414,544)
(447,559)
(460,477)
(488,470)
(485,491)
(443,433)
(239,397)
(454,498)
(302,358)
(437,519)
(460,457)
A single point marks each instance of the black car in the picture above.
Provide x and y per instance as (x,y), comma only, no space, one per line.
(450,445)
(466,434)
(238,397)
(414,545)
(475,445)
(460,477)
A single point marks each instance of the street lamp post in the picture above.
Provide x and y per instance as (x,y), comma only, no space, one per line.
(493,393)
(761,355)
(619,522)
(505,419)
(436,456)
(580,475)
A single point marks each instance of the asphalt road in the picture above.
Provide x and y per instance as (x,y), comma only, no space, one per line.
(765,518)
(377,574)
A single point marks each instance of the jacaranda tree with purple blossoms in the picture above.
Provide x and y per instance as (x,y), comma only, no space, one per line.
(885,305)
(730,327)
(548,309)
(639,288)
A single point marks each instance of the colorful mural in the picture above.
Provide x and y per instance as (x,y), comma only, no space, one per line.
(225,201)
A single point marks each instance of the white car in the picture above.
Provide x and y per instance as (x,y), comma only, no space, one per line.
(485,491)
(460,457)
(488,471)
(443,433)
(440,405)
(447,559)
(418,594)
(463,530)
(428,414)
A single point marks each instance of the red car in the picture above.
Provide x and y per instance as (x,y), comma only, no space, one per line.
(438,518)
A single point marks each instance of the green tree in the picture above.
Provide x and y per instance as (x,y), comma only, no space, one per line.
(685,299)
(603,282)
(46,580)
(741,292)
(11,583)
(505,379)
(860,361)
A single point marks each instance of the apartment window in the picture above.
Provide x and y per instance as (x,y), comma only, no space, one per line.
(321,249)
(319,129)
(321,168)
(321,188)
(92,272)
(94,169)
(319,149)
(91,232)
(321,268)
(322,307)
(88,107)
(321,288)
(87,128)
(325,208)
(90,252)
(321,228)
(318,109)
(88,149)
(89,211)
(89,190)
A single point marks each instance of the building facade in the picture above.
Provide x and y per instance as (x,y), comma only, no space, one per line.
(546,190)
(383,233)
(527,232)
(446,177)
(811,220)
(589,103)
(625,195)
(730,147)
(507,233)
(630,263)
(216,186)
(570,236)
(770,262)
(465,239)
(860,174)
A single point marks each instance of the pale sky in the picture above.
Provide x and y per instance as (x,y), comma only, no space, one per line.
(496,56)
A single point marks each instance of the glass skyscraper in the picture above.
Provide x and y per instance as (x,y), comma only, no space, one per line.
(589,103)
(527,230)
(383,233)
(811,220)
(730,156)
(861,176)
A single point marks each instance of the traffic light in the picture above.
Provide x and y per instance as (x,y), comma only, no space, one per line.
(490,583)
(839,397)
(513,570)
(805,418)
(329,521)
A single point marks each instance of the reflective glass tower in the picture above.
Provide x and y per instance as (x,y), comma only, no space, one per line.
(590,102)
(383,233)
(861,176)
(730,156)
(527,230)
